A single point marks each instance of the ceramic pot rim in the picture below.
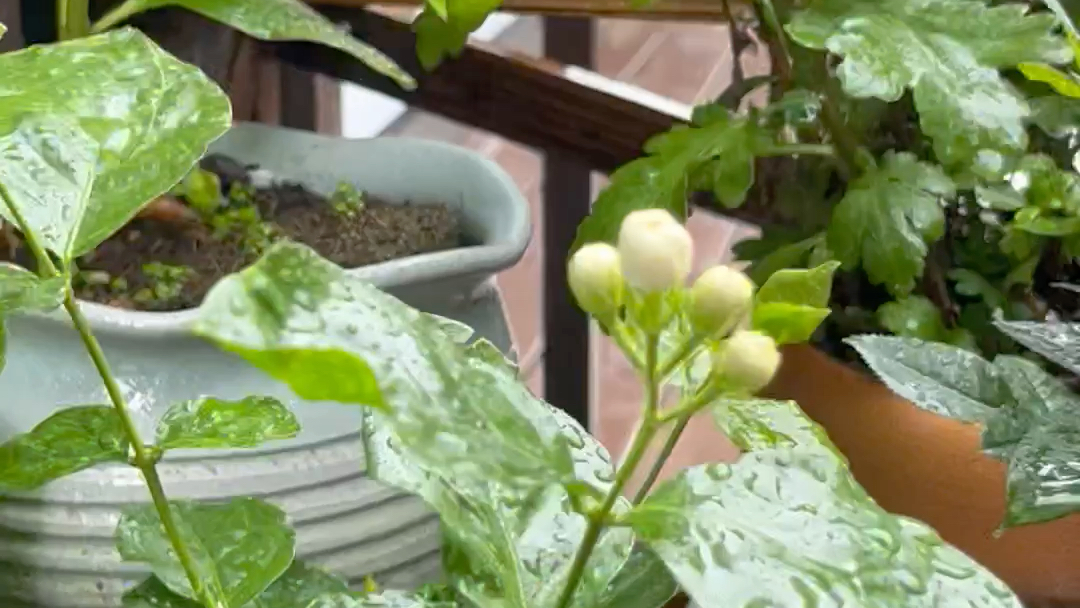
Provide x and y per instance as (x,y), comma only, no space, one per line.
(485,258)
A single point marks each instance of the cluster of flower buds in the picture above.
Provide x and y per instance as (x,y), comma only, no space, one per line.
(653,256)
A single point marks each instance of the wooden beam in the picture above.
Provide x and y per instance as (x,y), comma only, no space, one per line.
(523,99)
(690,10)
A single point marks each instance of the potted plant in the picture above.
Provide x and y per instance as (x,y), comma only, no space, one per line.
(937,166)
(428,222)
(533,511)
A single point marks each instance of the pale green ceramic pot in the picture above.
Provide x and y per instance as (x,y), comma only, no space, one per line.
(56,547)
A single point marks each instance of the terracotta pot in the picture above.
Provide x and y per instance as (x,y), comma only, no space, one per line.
(930,468)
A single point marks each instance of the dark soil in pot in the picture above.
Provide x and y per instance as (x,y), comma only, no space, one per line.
(225,215)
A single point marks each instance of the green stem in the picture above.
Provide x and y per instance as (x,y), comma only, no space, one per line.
(685,350)
(799,149)
(143,457)
(768,12)
(116,16)
(73,19)
(661,459)
(847,145)
(625,342)
(638,446)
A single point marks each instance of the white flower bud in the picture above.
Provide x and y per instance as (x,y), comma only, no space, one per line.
(656,250)
(595,276)
(747,361)
(719,299)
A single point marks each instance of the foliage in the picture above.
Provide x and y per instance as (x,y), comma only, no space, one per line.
(542,520)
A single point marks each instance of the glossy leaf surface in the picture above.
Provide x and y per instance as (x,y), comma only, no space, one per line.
(887,218)
(787,527)
(793,302)
(286,20)
(721,149)
(214,423)
(66,442)
(150,115)
(300,585)
(1058,342)
(239,547)
(21,289)
(939,50)
(762,424)
(943,379)
(644,581)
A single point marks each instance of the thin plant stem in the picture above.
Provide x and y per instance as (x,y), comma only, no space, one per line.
(799,149)
(116,16)
(142,456)
(73,18)
(661,459)
(643,436)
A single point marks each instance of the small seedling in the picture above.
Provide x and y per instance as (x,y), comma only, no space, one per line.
(167,282)
(241,194)
(202,191)
(256,234)
(347,200)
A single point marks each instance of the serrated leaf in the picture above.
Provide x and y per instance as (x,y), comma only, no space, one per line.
(887,219)
(286,20)
(807,286)
(721,152)
(21,289)
(239,547)
(938,50)
(439,36)
(66,442)
(1058,342)
(1038,440)
(300,585)
(940,378)
(207,422)
(754,425)
(150,115)
(788,527)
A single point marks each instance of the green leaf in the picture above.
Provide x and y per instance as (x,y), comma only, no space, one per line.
(285,20)
(787,323)
(300,585)
(913,317)
(1063,17)
(999,197)
(789,527)
(720,152)
(207,422)
(940,378)
(887,219)
(1063,83)
(1037,439)
(66,442)
(769,256)
(754,425)
(1056,115)
(1058,342)
(938,50)
(443,27)
(807,286)
(21,289)
(643,582)
(150,115)
(239,547)
(386,599)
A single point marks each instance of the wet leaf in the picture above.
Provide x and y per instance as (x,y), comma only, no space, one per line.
(720,152)
(888,217)
(387,599)
(300,585)
(150,115)
(643,582)
(443,27)
(940,51)
(66,442)
(940,378)
(239,547)
(1039,440)
(1056,115)
(21,289)
(789,527)
(764,424)
(287,20)
(913,317)
(1058,342)
(207,422)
